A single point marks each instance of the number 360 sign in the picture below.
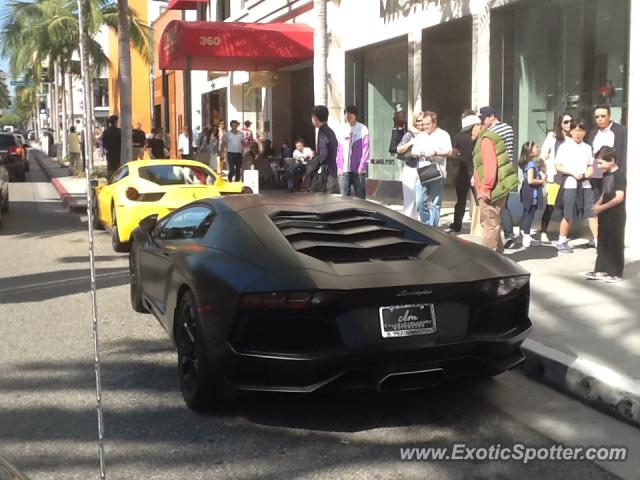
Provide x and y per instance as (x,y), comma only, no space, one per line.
(209,40)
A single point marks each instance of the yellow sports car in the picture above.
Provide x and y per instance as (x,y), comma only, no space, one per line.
(144,187)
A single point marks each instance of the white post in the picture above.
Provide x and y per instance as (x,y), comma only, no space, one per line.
(320,77)
(481,73)
(414,75)
(633,126)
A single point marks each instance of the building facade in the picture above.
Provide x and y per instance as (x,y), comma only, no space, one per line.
(529,59)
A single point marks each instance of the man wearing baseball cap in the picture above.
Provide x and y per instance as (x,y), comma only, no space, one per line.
(491,122)
(463,150)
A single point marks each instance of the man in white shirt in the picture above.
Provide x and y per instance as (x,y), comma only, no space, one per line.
(184,147)
(233,141)
(432,145)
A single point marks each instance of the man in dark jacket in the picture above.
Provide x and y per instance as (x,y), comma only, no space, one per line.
(326,176)
(463,149)
(606,133)
(111,141)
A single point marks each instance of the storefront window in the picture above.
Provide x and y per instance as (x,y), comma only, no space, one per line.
(555,56)
(377,85)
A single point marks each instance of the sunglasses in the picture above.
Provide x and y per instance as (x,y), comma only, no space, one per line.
(564,122)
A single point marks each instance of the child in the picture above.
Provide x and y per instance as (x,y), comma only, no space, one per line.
(610,209)
(574,161)
(531,190)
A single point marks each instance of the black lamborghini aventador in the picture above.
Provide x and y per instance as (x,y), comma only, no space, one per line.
(302,292)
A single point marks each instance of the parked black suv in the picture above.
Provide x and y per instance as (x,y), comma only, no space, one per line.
(13,156)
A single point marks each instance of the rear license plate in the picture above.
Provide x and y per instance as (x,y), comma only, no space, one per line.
(407,320)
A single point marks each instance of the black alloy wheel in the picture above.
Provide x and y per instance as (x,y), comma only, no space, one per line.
(116,243)
(193,368)
(135,288)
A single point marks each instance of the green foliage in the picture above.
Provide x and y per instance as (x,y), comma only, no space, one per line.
(5,97)
(47,31)
(12,118)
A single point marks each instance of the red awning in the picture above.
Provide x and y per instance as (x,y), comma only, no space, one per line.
(229,46)
(184,4)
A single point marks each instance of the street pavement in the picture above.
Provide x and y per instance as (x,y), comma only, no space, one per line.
(586,337)
(47,393)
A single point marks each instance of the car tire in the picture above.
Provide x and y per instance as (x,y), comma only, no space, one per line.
(135,287)
(117,244)
(27,168)
(5,205)
(22,176)
(97,224)
(194,373)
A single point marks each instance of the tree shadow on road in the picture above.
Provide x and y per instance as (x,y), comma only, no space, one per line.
(43,286)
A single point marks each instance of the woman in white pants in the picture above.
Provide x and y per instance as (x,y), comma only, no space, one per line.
(409,174)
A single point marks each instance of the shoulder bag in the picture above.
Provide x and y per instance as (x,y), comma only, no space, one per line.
(430,173)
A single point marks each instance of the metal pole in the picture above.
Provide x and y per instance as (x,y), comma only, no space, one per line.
(187,101)
(88,145)
(165,106)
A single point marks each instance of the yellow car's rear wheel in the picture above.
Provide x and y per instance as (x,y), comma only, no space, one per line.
(117,244)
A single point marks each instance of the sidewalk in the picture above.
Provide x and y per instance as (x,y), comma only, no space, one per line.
(586,336)
(72,190)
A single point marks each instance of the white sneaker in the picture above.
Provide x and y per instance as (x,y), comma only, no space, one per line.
(544,238)
(527,242)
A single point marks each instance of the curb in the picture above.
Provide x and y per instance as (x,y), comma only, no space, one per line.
(597,385)
(68,200)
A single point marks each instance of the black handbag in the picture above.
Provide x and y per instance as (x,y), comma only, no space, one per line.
(430,173)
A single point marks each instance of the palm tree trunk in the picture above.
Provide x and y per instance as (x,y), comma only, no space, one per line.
(70,108)
(65,119)
(56,110)
(320,78)
(124,79)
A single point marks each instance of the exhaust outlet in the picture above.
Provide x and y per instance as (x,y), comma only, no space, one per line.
(411,380)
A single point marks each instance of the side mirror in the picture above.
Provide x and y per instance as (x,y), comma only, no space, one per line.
(149,223)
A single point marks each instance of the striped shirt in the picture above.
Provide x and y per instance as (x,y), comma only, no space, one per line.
(505,131)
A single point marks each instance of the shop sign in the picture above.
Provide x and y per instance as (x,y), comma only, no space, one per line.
(385,169)
(210,40)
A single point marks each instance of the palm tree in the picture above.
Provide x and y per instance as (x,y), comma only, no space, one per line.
(5,97)
(47,32)
(124,79)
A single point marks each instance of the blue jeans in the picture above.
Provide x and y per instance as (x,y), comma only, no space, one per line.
(429,201)
(347,179)
(296,172)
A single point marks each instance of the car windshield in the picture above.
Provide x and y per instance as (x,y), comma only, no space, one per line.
(7,141)
(172,174)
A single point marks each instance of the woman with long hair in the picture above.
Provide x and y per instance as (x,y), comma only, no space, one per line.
(208,147)
(409,174)
(548,151)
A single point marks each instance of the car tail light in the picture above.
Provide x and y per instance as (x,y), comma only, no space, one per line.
(15,150)
(132,194)
(135,196)
(288,300)
(150,197)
